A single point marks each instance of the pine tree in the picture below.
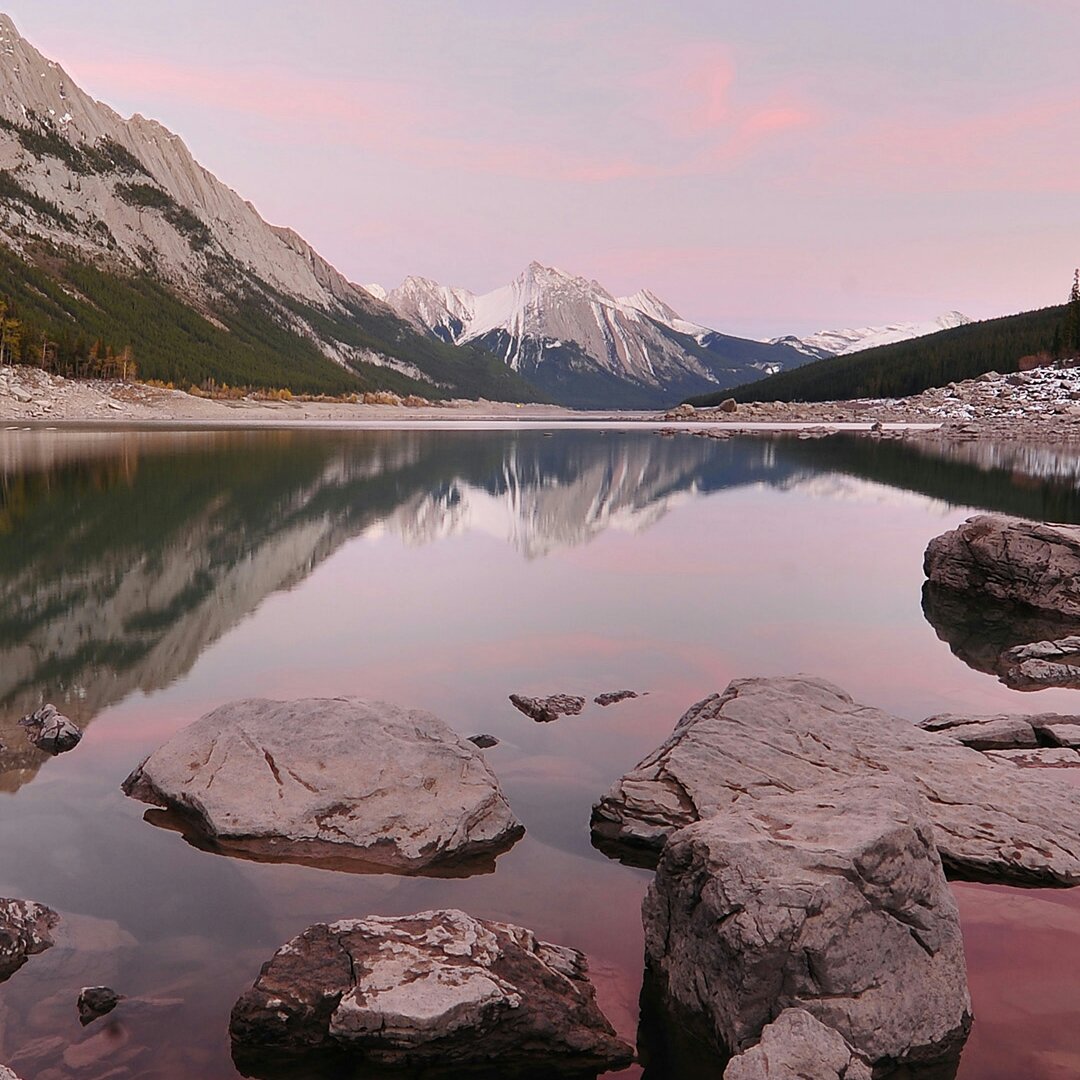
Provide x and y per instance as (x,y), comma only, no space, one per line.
(1071,335)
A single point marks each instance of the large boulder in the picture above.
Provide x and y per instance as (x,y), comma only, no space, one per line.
(831,900)
(25,929)
(336,781)
(766,736)
(796,1046)
(1025,562)
(439,990)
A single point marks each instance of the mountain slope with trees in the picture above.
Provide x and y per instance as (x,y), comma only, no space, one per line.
(910,367)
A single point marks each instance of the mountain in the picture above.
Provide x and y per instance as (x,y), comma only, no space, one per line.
(842,342)
(110,228)
(582,345)
(909,367)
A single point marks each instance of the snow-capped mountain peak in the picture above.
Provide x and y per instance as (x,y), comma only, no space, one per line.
(841,342)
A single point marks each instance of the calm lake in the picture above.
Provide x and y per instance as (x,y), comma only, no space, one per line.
(147,577)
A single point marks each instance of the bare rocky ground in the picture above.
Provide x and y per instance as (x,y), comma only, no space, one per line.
(1039,405)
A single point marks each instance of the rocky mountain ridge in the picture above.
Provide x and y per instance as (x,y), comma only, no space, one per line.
(126,195)
(578,340)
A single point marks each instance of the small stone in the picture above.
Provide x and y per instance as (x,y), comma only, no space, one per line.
(614,697)
(545,710)
(96,1001)
(51,731)
(485,742)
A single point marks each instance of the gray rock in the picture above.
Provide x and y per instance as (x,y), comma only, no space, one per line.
(437,989)
(728,405)
(984,732)
(1008,559)
(763,736)
(484,742)
(22,396)
(796,1046)
(7,1074)
(51,731)
(95,1002)
(831,900)
(545,710)
(336,781)
(614,697)
(25,929)
(1044,757)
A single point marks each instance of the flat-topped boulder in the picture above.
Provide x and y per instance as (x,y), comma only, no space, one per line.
(1026,562)
(761,737)
(1008,731)
(437,991)
(1001,732)
(831,900)
(25,929)
(334,781)
(795,1046)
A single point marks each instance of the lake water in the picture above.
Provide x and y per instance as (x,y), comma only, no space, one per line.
(146,578)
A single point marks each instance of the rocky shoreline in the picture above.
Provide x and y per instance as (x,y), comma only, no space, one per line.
(1042,405)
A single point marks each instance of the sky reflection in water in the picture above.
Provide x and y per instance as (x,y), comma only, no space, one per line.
(145,579)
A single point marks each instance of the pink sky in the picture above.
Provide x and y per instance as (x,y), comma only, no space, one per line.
(766,168)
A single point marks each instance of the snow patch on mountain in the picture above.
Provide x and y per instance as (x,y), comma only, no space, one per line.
(842,342)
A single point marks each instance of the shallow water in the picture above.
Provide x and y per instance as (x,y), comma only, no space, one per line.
(148,577)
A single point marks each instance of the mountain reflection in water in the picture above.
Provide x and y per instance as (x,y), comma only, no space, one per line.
(124,555)
(133,563)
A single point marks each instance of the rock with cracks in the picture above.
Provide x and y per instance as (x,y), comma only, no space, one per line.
(1024,562)
(437,991)
(333,781)
(796,1046)
(831,900)
(25,929)
(992,821)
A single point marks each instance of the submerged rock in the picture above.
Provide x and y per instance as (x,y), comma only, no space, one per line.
(334,781)
(764,736)
(25,929)
(545,710)
(796,1046)
(1032,563)
(439,990)
(484,742)
(51,731)
(95,1002)
(614,697)
(831,900)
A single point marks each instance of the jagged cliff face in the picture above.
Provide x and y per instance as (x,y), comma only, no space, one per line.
(82,183)
(38,96)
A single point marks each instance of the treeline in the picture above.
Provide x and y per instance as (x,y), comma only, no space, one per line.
(909,367)
(69,354)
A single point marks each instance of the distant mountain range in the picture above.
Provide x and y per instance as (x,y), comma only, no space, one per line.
(110,229)
(584,346)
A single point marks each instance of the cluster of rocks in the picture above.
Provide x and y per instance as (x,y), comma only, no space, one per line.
(547,709)
(800,917)
(1038,404)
